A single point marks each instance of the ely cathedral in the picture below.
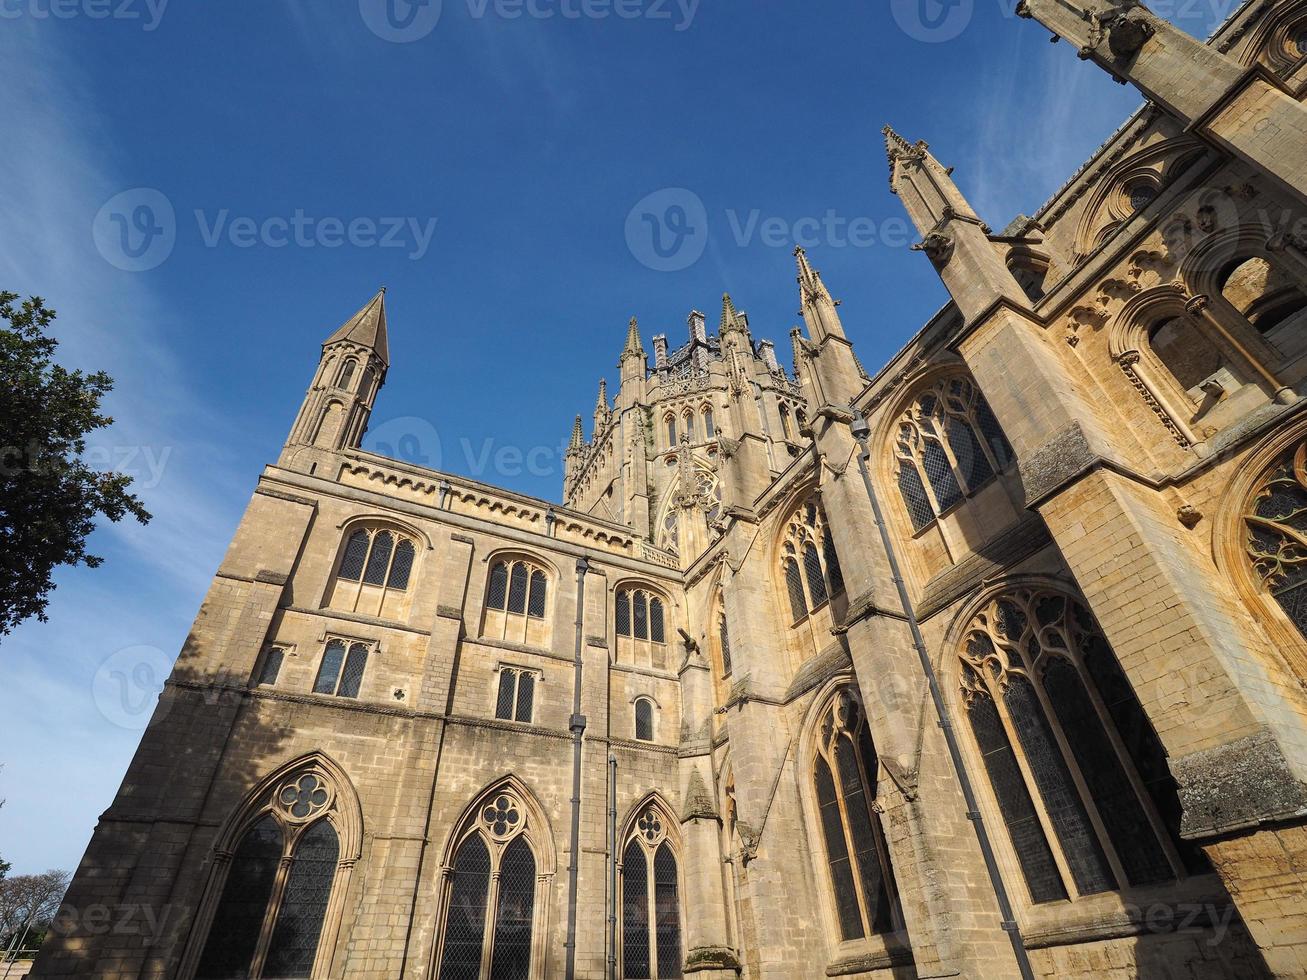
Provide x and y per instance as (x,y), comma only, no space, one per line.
(988,662)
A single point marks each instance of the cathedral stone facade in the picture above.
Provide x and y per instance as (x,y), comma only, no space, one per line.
(682,723)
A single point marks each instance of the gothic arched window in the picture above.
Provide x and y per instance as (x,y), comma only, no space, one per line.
(492,899)
(670,420)
(949,445)
(375,566)
(688,421)
(517,597)
(1077,772)
(270,915)
(640,617)
(857,859)
(709,428)
(725,642)
(651,907)
(808,562)
(1276,524)
(786,430)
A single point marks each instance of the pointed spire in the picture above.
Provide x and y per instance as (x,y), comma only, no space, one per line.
(633,345)
(729,316)
(810,284)
(578,435)
(896,146)
(601,404)
(818,307)
(796,346)
(367,328)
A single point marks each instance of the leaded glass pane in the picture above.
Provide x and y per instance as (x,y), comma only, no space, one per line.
(671,432)
(667,913)
(635,914)
(1109,787)
(644,720)
(465,922)
(351,679)
(656,620)
(641,617)
(689,425)
(794,584)
(816,581)
(379,560)
(837,854)
(517,589)
(402,565)
(294,943)
(511,959)
(914,495)
(833,570)
(972,461)
(623,614)
(857,807)
(1014,803)
(1141,743)
(271,665)
(992,432)
(329,669)
(238,920)
(940,474)
(356,552)
(709,430)
(1062,803)
(504,704)
(536,604)
(497,590)
(526,692)
(726,647)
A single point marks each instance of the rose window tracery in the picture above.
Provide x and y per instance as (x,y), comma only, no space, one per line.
(304,797)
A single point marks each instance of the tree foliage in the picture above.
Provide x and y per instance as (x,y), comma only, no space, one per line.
(28,903)
(49,496)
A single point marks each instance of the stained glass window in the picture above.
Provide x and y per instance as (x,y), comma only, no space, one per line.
(623,614)
(667,913)
(1038,653)
(807,542)
(709,429)
(949,445)
(833,571)
(640,615)
(238,920)
(837,853)
(816,581)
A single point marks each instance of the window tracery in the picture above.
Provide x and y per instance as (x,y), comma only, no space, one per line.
(809,562)
(494,894)
(845,768)
(1076,770)
(949,445)
(273,911)
(374,571)
(517,600)
(1275,520)
(651,912)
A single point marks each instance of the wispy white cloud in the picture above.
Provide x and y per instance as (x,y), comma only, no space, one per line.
(59,744)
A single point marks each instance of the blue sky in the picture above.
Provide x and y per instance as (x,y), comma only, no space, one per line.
(482,165)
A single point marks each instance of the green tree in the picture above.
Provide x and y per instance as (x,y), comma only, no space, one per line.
(49,497)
